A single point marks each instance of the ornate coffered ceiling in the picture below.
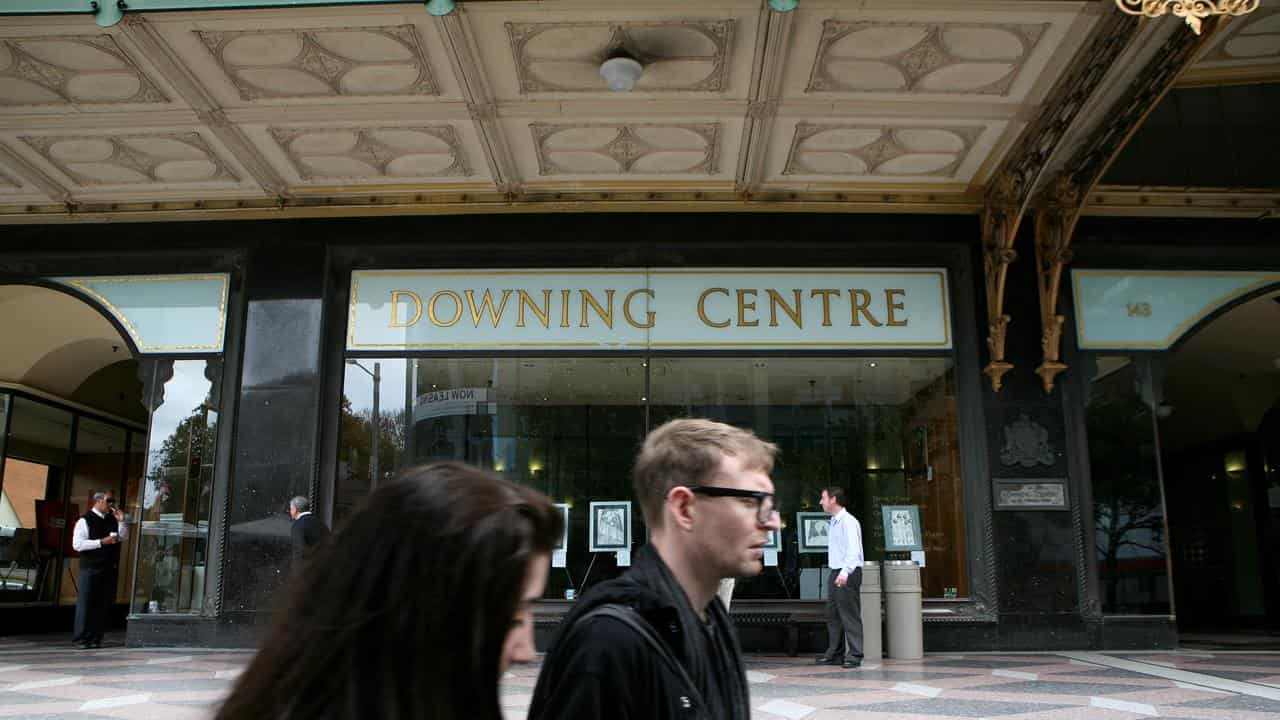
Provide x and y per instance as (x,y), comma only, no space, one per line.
(679,56)
(399,153)
(71,70)
(953,58)
(289,64)
(1247,50)
(151,159)
(884,104)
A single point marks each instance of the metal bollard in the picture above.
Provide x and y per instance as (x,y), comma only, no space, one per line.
(903,611)
(872,648)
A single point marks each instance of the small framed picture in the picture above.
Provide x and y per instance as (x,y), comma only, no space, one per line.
(610,526)
(902,527)
(812,529)
(773,542)
(563,544)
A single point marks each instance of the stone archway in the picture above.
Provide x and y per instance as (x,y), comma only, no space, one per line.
(1221,384)
(74,423)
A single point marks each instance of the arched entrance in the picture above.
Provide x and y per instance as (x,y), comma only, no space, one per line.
(1219,433)
(71,421)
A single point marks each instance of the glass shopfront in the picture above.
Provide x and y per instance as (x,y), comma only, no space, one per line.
(175,497)
(880,422)
(52,458)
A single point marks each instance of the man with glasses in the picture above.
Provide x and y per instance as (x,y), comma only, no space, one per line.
(655,643)
(97,537)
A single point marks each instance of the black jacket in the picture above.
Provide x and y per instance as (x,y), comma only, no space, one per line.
(599,666)
(307,531)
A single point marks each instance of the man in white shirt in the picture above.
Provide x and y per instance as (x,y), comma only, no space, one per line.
(844,584)
(97,537)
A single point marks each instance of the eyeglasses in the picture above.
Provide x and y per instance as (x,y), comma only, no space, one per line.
(111,501)
(766,503)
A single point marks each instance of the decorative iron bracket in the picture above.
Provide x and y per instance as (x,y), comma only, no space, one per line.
(1011,190)
(1055,224)
(1059,210)
(1000,220)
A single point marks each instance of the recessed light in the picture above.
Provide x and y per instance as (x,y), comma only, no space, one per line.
(872,364)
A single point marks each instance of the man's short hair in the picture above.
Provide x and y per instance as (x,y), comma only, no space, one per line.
(838,494)
(300,503)
(686,452)
(99,495)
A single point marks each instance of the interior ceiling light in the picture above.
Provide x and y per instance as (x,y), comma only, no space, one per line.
(621,70)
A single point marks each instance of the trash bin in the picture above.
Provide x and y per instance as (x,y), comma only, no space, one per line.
(872,648)
(904,622)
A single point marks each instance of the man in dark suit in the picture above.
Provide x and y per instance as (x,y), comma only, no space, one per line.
(308,530)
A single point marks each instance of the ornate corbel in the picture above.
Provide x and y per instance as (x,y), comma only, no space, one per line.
(1055,224)
(1058,212)
(1000,220)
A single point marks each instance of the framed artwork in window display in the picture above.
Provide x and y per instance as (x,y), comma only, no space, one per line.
(610,526)
(773,542)
(902,527)
(563,543)
(812,529)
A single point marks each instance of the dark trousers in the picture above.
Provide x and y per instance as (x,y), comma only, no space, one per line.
(97,590)
(844,616)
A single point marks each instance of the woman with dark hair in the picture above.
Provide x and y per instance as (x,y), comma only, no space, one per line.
(413,609)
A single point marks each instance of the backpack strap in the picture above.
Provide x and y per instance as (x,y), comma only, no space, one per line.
(631,619)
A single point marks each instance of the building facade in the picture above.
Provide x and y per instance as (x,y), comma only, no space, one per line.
(1039,369)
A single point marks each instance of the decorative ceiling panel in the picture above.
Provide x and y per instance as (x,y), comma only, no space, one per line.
(171,158)
(322,63)
(921,57)
(859,150)
(626,148)
(374,153)
(678,55)
(71,70)
(1246,40)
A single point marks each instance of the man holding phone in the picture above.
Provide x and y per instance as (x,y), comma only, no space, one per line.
(97,538)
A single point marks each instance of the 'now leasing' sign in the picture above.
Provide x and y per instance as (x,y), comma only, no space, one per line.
(649,309)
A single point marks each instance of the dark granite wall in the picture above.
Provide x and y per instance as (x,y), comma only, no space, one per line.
(277,423)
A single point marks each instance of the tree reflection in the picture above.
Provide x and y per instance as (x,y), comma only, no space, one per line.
(1129,532)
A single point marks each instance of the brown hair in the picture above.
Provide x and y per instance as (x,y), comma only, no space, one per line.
(837,494)
(404,612)
(686,452)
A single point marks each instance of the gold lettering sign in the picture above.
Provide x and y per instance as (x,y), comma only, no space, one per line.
(396,295)
(649,315)
(1139,309)
(702,308)
(671,308)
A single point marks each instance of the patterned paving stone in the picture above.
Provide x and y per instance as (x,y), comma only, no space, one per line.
(52,681)
(1237,702)
(955,708)
(1067,688)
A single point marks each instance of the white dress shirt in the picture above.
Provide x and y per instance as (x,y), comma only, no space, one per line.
(844,543)
(80,536)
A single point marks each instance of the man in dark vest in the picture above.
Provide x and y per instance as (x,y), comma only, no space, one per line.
(97,537)
(308,530)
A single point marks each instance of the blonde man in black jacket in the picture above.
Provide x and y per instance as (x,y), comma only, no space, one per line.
(656,642)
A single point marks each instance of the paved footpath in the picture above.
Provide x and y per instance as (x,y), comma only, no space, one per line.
(44,678)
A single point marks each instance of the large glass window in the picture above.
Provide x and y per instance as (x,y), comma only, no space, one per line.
(1127,504)
(99,465)
(175,496)
(36,455)
(883,428)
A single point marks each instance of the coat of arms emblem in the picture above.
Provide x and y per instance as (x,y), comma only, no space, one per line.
(1026,443)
